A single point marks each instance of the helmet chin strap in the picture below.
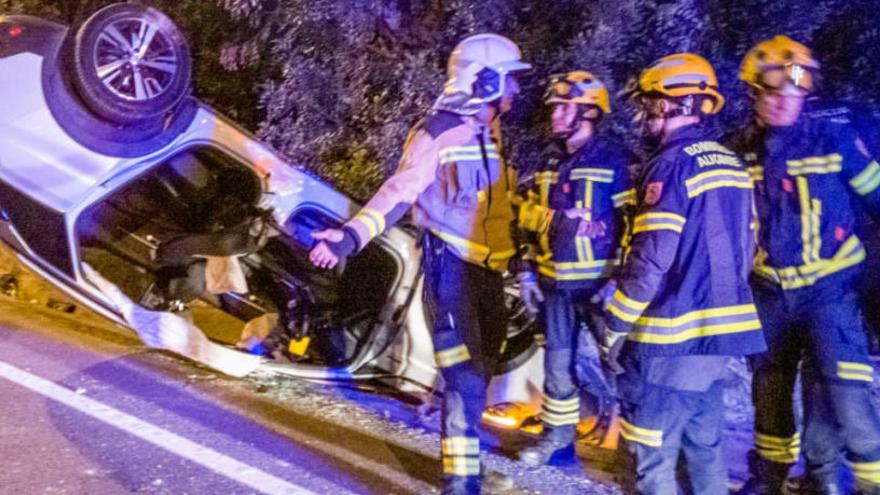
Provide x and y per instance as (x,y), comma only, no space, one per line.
(575,125)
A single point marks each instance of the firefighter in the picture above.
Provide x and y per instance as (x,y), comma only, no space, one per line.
(454,178)
(808,172)
(581,184)
(681,307)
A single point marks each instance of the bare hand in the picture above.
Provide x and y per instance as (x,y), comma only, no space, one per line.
(592,230)
(577,212)
(321,255)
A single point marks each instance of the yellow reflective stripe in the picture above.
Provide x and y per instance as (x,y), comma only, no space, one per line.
(461,466)
(452,356)
(545,180)
(625,308)
(855,376)
(657,226)
(816,222)
(615,311)
(850,253)
(557,419)
(719,184)
(585,244)
(658,221)
(473,148)
(576,270)
(573,265)
(694,333)
(715,179)
(592,174)
(715,173)
(588,201)
(660,215)
(804,200)
(633,433)
(627,197)
(372,220)
(459,446)
(561,404)
(778,449)
(467,153)
(630,303)
(846,365)
(762,439)
(467,158)
(701,314)
(780,456)
(867,180)
(473,247)
(855,371)
(815,165)
(866,471)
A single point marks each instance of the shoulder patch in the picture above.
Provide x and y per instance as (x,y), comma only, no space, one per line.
(653,193)
(439,122)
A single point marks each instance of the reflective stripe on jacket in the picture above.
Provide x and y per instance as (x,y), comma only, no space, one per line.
(454,177)
(596,176)
(807,177)
(684,288)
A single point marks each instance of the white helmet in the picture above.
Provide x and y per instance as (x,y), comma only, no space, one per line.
(478,65)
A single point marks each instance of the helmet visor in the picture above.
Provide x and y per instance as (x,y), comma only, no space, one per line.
(561,88)
(778,77)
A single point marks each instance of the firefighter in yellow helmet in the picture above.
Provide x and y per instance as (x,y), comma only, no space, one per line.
(681,307)
(570,228)
(808,172)
(454,179)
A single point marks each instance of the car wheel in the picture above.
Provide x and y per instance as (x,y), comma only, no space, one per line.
(129,63)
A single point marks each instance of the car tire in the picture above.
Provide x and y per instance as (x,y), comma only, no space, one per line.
(129,64)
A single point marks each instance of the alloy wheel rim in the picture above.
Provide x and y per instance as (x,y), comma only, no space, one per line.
(135,60)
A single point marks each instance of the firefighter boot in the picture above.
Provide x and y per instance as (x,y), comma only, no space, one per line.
(558,440)
(767,477)
(811,485)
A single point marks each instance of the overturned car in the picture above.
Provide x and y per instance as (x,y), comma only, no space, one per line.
(145,205)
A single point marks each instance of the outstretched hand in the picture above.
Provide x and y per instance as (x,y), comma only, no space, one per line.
(321,255)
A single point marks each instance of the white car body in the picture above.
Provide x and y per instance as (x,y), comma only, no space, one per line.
(56,178)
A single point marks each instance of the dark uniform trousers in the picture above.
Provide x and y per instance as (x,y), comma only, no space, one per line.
(671,422)
(823,325)
(571,361)
(468,316)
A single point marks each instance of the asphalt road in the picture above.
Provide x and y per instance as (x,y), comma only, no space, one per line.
(88,410)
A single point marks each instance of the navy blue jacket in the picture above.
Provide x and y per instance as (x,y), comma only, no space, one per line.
(683,288)
(807,179)
(596,176)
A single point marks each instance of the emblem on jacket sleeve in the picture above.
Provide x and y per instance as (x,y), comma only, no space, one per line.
(653,193)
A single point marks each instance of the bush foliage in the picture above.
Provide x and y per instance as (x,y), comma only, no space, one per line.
(334,85)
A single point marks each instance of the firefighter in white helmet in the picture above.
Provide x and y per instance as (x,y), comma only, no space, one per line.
(453,179)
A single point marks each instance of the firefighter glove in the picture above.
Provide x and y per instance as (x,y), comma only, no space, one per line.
(529,291)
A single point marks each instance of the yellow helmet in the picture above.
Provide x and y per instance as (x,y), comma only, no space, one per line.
(579,87)
(773,63)
(680,75)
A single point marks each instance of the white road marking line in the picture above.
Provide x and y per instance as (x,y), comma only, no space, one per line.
(206,457)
